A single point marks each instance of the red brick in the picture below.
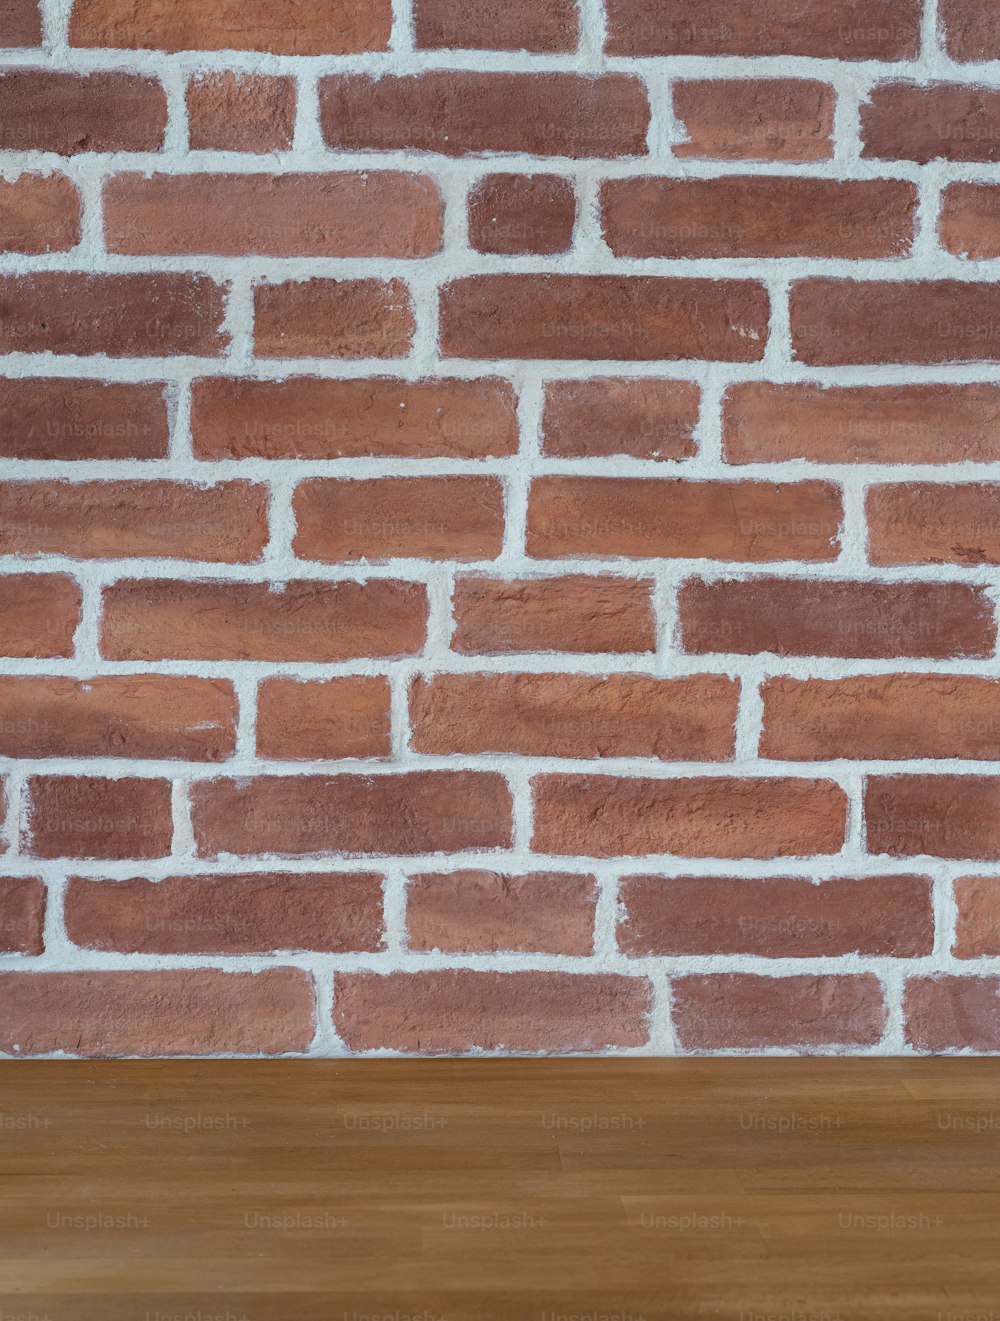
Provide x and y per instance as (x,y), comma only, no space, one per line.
(87,816)
(283,27)
(124,316)
(977,928)
(841,30)
(566,715)
(329,718)
(953,1013)
(940,816)
(309,418)
(159,619)
(20,23)
(88,520)
(49,418)
(512,213)
(481,912)
(240,112)
(39,613)
(643,518)
(780,917)
(187,1011)
(332,319)
(931,523)
(69,113)
(882,716)
(39,213)
(970,220)
(306,815)
(380,213)
(551,25)
(460,113)
(607,816)
(972,29)
(22,915)
(635,317)
(914,122)
(438,518)
(739,119)
(764,423)
(758,216)
(799,617)
(495,616)
(134,715)
(434,1013)
(737,1011)
(642,417)
(252,914)
(928,321)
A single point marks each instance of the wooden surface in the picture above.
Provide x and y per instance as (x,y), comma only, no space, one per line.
(300,1190)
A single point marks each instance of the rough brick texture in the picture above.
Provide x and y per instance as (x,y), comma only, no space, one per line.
(499,526)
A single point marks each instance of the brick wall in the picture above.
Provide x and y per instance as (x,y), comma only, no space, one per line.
(499,526)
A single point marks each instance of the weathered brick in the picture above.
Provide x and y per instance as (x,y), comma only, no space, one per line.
(942,816)
(914,122)
(969,224)
(480,912)
(39,613)
(952,1013)
(22,915)
(737,119)
(513,213)
(332,319)
(240,112)
(971,29)
(88,816)
(49,418)
(977,925)
(551,25)
(39,213)
(644,418)
(20,23)
(70,113)
(934,523)
(328,718)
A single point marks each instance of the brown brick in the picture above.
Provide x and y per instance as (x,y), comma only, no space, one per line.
(977,928)
(777,918)
(481,912)
(133,715)
(434,1013)
(309,418)
(605,816)
(566,715)
(972,30)
(931,523)
(20,23)
(914,122)
(512,213)
(332,319)
(39,613)
(738,1011)
(551,25)
(495,616)
(438,518)
(159,619)
(739,119)
(634,317)
(799,617)
(306,815)
(380,213)
(240,112)
(952,1013)
(764,423)
(49,418)
(758,216)
(942,816)
(88,816)
(970,220)
(282,27)
(641,417)
(22,914)
(181,1011)
(842,30)
(882,716)
(329,718)
(39,213)
(124,316)
(88,520)
(926,321)
(659,518)
(459,113)
(69,113)
(252,914)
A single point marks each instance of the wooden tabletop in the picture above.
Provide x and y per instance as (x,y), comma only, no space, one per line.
(467,1190)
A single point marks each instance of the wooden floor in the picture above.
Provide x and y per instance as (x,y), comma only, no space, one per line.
(300,1190)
